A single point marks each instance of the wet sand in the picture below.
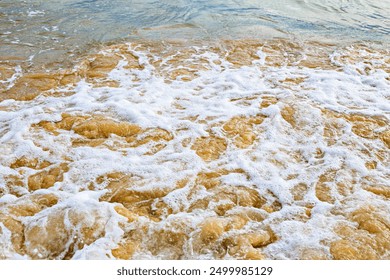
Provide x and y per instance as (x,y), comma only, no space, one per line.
(225,149)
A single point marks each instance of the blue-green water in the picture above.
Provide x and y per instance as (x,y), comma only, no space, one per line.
(42,28)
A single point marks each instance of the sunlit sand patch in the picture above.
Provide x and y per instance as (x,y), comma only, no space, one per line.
(137,201)
(14,184)
(368,240)
(242,130)
(102,128)
(10,216)
(96,129)
(223,198)
(125,250)
(267,100)
(213,179)
(323,190)
(332,185)
(47,178)
(385,137)
(365,126)
(241,53)
(91,127)
(27,86)
(33,163)
(379,190)
(209,148)
(369,127)
(222,237)
(316,55)
(30,85)
(156,135)
(95,69)
(288,113)
(183,66)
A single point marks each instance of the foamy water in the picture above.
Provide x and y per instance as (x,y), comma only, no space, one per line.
(260,148)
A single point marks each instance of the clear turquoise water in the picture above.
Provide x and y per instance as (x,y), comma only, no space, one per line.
(43,28)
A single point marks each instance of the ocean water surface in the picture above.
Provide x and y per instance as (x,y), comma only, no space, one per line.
(194,129)
(43,28)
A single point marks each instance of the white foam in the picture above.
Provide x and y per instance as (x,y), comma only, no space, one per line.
(35,13)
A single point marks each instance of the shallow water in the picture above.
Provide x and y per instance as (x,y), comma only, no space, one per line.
(202,130)
(64,27)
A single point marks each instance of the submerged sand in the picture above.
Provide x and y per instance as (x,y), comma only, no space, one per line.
(206,150)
